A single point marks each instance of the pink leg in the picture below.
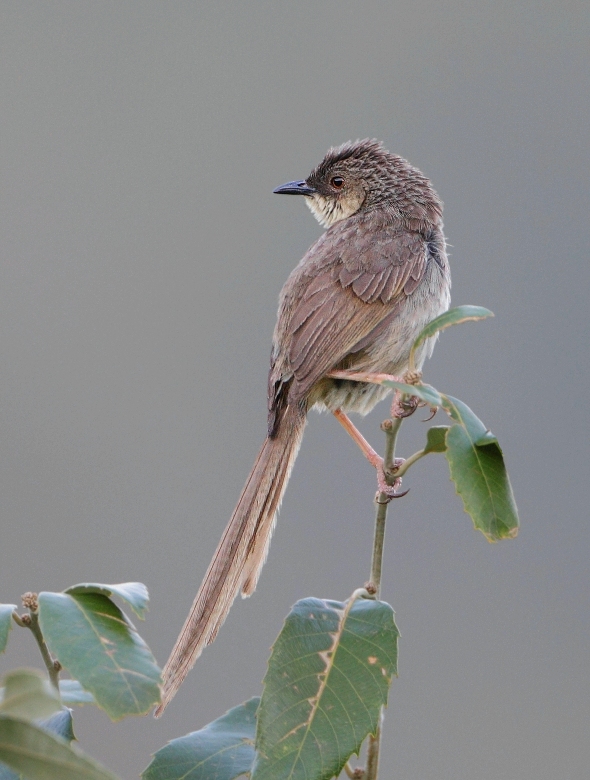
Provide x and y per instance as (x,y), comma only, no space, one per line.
(365,376)
(370,454)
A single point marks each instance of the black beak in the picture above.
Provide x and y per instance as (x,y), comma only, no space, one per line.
(295,188)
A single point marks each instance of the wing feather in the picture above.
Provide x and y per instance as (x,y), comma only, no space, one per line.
(348,288)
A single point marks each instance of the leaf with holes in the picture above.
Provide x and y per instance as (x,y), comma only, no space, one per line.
(6,611)
(96,642)
(224,749)
(328,678)
(31,751)
(477,468)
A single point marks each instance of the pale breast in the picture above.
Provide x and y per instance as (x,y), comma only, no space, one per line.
(389,352)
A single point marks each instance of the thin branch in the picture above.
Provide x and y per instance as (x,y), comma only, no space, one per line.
(373,753)
(391,428)
(31,621)
(378,541)
(53,667)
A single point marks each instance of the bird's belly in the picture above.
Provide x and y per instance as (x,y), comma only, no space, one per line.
(348,396)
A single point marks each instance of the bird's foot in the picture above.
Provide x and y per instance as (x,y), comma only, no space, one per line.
(404,406)
(387,491)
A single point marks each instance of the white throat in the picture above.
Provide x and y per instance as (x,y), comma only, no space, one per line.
(328,211)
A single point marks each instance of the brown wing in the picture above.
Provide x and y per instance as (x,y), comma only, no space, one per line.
(349,283)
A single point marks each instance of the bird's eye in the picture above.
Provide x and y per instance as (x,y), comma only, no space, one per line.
(337,182)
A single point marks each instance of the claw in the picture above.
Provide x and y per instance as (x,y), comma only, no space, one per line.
(390,496)
(404,408)
(385,488)
(433,411)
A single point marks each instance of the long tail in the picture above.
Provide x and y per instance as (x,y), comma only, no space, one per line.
(241,552)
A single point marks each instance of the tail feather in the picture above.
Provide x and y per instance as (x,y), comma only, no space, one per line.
(241,553)
(259,546)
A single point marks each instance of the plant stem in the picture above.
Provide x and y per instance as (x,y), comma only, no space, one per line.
(52,668)
(373,754)
(376,566)
(378,540)
(391,428)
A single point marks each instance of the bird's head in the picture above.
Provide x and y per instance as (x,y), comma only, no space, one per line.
(362,177)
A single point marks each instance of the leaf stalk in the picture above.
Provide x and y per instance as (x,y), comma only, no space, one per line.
(408,463)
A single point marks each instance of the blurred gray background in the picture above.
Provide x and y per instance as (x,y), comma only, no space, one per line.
(142,252)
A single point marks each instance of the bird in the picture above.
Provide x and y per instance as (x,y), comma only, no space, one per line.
(355,302)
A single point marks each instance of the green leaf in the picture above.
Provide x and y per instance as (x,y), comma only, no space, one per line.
(436,439)
(60,723)
(72,693)
(29,749)
(8,774)
(6,611)
(423,392)
(327,679)
(451,317)
(100,648)
(477,468)
(134,593)
(223,750)
(28,694)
